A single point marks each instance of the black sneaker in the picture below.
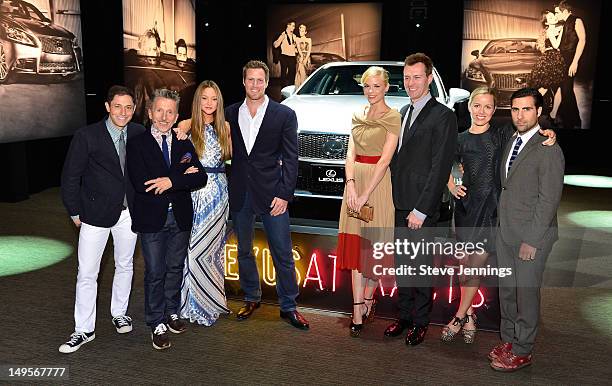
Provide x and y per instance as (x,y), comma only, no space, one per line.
(160,338)
(176,325)
(77,339)
(123,324)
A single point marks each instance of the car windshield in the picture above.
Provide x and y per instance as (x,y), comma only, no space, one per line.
(512,46)
(25,10)
(345,80)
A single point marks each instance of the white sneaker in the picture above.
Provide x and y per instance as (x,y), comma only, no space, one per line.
(77,339)
(123,324)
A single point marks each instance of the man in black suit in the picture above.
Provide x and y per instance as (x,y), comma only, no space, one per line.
(163,171)
(419,172)
(97,194)
(262,181)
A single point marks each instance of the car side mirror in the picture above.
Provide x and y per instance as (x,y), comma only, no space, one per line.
(287,91)
(457,95)
(475,53)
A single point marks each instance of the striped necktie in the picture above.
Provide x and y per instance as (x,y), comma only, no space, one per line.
(515,152)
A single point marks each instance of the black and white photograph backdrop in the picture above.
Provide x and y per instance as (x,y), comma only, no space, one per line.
(41,69)
(303,37)
(510,44)
(160,50)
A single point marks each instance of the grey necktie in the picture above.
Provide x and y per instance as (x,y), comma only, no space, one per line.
(121,152)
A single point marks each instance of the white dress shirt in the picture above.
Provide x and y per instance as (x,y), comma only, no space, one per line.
(525,137)
(249,126)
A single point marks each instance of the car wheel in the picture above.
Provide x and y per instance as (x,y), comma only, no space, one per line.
(4,68)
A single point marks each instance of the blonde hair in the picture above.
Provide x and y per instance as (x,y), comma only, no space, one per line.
(197,122)
(482,90)
(375,71)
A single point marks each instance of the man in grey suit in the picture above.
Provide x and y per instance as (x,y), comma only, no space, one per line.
(532,182)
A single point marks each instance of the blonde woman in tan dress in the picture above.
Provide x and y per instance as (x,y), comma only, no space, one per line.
(373,141)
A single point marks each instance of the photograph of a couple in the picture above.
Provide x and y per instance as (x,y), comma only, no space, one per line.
(510,45)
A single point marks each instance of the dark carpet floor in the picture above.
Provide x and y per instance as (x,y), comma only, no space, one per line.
(36,315)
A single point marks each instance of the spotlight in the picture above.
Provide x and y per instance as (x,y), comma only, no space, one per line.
(206,24)
(418,25)
(250,25)
(589,181)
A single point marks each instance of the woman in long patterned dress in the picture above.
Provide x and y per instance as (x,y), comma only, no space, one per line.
(373,141)
(548,71)
(203,293)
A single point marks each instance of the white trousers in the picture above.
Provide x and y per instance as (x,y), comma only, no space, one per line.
(92,241)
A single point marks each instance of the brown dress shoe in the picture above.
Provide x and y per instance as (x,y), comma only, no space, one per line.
(175,325)
(500,350)
(160,338)
(510,362)
(295,319)
(246,310)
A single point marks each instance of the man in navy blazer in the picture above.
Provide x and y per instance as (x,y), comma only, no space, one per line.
(262,181)
(163,171)
(97,194)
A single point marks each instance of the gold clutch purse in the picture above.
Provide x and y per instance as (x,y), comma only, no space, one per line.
(365,214)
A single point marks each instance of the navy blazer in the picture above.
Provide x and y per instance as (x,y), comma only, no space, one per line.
(93,185)
(419,172)
(146,162)
(270,170)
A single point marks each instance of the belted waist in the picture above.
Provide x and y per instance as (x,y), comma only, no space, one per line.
(220,169)
(367,159)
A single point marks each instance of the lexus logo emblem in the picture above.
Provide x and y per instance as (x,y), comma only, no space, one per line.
(333,148)
(331,173)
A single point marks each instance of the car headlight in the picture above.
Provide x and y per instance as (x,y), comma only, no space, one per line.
(18,35)
(474,74)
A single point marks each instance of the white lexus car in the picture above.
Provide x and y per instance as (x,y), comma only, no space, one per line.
(325,104)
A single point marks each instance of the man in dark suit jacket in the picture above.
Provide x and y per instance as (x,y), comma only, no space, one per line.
(163,171)
(97,193)
(262,181)
(532,182)
(419,172)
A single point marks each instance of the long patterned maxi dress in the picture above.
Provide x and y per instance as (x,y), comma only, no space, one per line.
(356,237)
(203,292)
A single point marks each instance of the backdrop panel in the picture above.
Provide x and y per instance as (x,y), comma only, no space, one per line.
(505,45)
(160,50)
(41,83)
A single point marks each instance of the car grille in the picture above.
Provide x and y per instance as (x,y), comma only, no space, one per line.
(509,81)
(56,45)
(323,146)
(57,67)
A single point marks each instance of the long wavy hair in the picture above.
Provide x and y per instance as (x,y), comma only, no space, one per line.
(197,122)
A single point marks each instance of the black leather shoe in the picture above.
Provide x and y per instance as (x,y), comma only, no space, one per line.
(296,319)
(416,335)
(247,310)
(396,328)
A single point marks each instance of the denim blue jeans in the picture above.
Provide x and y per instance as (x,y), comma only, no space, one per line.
(279,240)
(164,257)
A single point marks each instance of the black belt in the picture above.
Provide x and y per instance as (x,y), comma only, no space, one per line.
(220,169)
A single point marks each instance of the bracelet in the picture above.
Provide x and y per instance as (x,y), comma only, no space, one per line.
(349,180)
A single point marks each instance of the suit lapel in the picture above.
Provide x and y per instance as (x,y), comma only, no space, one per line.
(237,140)
(107,144)
(506,154)
(529,147)
(418,121)
(175,152)
(158,154)
(268,117)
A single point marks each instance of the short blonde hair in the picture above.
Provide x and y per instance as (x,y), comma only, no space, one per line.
(482,91)
(375,71)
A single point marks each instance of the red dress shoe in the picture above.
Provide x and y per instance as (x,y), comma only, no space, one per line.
(500,350)
(511,362)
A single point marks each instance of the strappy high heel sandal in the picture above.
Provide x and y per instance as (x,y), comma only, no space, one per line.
(447,334)
(368,317)
(469,335)
(355,329)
